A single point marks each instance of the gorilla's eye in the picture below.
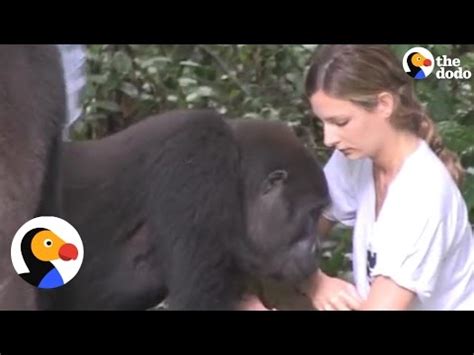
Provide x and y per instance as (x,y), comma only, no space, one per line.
(48,243)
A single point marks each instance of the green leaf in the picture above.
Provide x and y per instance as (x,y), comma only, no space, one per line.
(110,106)
(172,98)
(147,97)
(442,102)
(121,62)
(155,61)
(113,83)
(456,136)
(442,49)
(192,97)
(401,49)
(234,94)
(129,89)
(310,47)
(252,115)
(96,116)
(185,82)
(98,78)
(205,91)
(467,118)
(189,63)
(91,90)
(468,191)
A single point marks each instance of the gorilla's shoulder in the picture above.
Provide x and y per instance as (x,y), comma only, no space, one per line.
(160,126)
(261,130)
(181,118)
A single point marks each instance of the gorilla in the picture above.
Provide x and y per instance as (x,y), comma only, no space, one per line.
(32,114)
(189,207)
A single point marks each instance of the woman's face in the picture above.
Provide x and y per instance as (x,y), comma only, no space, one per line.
(350,128)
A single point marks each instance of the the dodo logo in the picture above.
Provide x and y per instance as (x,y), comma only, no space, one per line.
(47,252)
(418,62)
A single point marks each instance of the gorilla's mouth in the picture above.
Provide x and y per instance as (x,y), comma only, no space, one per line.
(293,268)
(299,259)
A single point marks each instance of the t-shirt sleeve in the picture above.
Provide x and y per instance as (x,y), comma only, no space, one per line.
(411,250)
(339,173)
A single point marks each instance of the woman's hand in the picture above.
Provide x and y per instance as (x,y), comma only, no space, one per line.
(330,293)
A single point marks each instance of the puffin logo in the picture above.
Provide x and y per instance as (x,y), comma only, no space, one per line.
(418,62)
(47,252)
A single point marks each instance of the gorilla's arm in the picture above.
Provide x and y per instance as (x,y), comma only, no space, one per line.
(32,110)
(202,215)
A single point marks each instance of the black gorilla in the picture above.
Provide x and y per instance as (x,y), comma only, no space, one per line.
(188,206)
(32,114)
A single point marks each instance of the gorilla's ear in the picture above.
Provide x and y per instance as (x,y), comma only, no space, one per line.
(274,179)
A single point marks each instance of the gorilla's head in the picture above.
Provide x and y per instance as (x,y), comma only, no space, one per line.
(285,192)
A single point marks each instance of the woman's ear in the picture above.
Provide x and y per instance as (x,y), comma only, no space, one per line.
(385,105)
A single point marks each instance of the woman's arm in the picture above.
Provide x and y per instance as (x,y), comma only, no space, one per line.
(385,294)
(324,227)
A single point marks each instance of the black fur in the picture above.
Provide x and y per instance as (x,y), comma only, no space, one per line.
(186,206)
(32,114)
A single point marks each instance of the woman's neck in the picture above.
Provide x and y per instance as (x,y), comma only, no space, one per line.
(391,156)
(388,162)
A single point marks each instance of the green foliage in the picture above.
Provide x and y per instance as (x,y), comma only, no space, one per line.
(336,256)
(468,193)
(129,82)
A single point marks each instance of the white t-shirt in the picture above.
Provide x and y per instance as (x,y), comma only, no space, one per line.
(422,238)
(73,58)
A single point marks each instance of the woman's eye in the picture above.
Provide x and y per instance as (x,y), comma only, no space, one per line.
(341,124)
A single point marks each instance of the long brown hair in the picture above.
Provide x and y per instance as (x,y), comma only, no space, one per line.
(359,73)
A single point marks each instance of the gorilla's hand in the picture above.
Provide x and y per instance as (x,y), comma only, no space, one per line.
(330,293)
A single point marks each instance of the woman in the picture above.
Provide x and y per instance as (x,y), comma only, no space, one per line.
(393,181)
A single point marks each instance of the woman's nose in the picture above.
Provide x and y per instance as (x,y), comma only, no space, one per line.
(330,136)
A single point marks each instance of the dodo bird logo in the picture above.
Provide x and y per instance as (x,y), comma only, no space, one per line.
(47,252)
(418,62)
